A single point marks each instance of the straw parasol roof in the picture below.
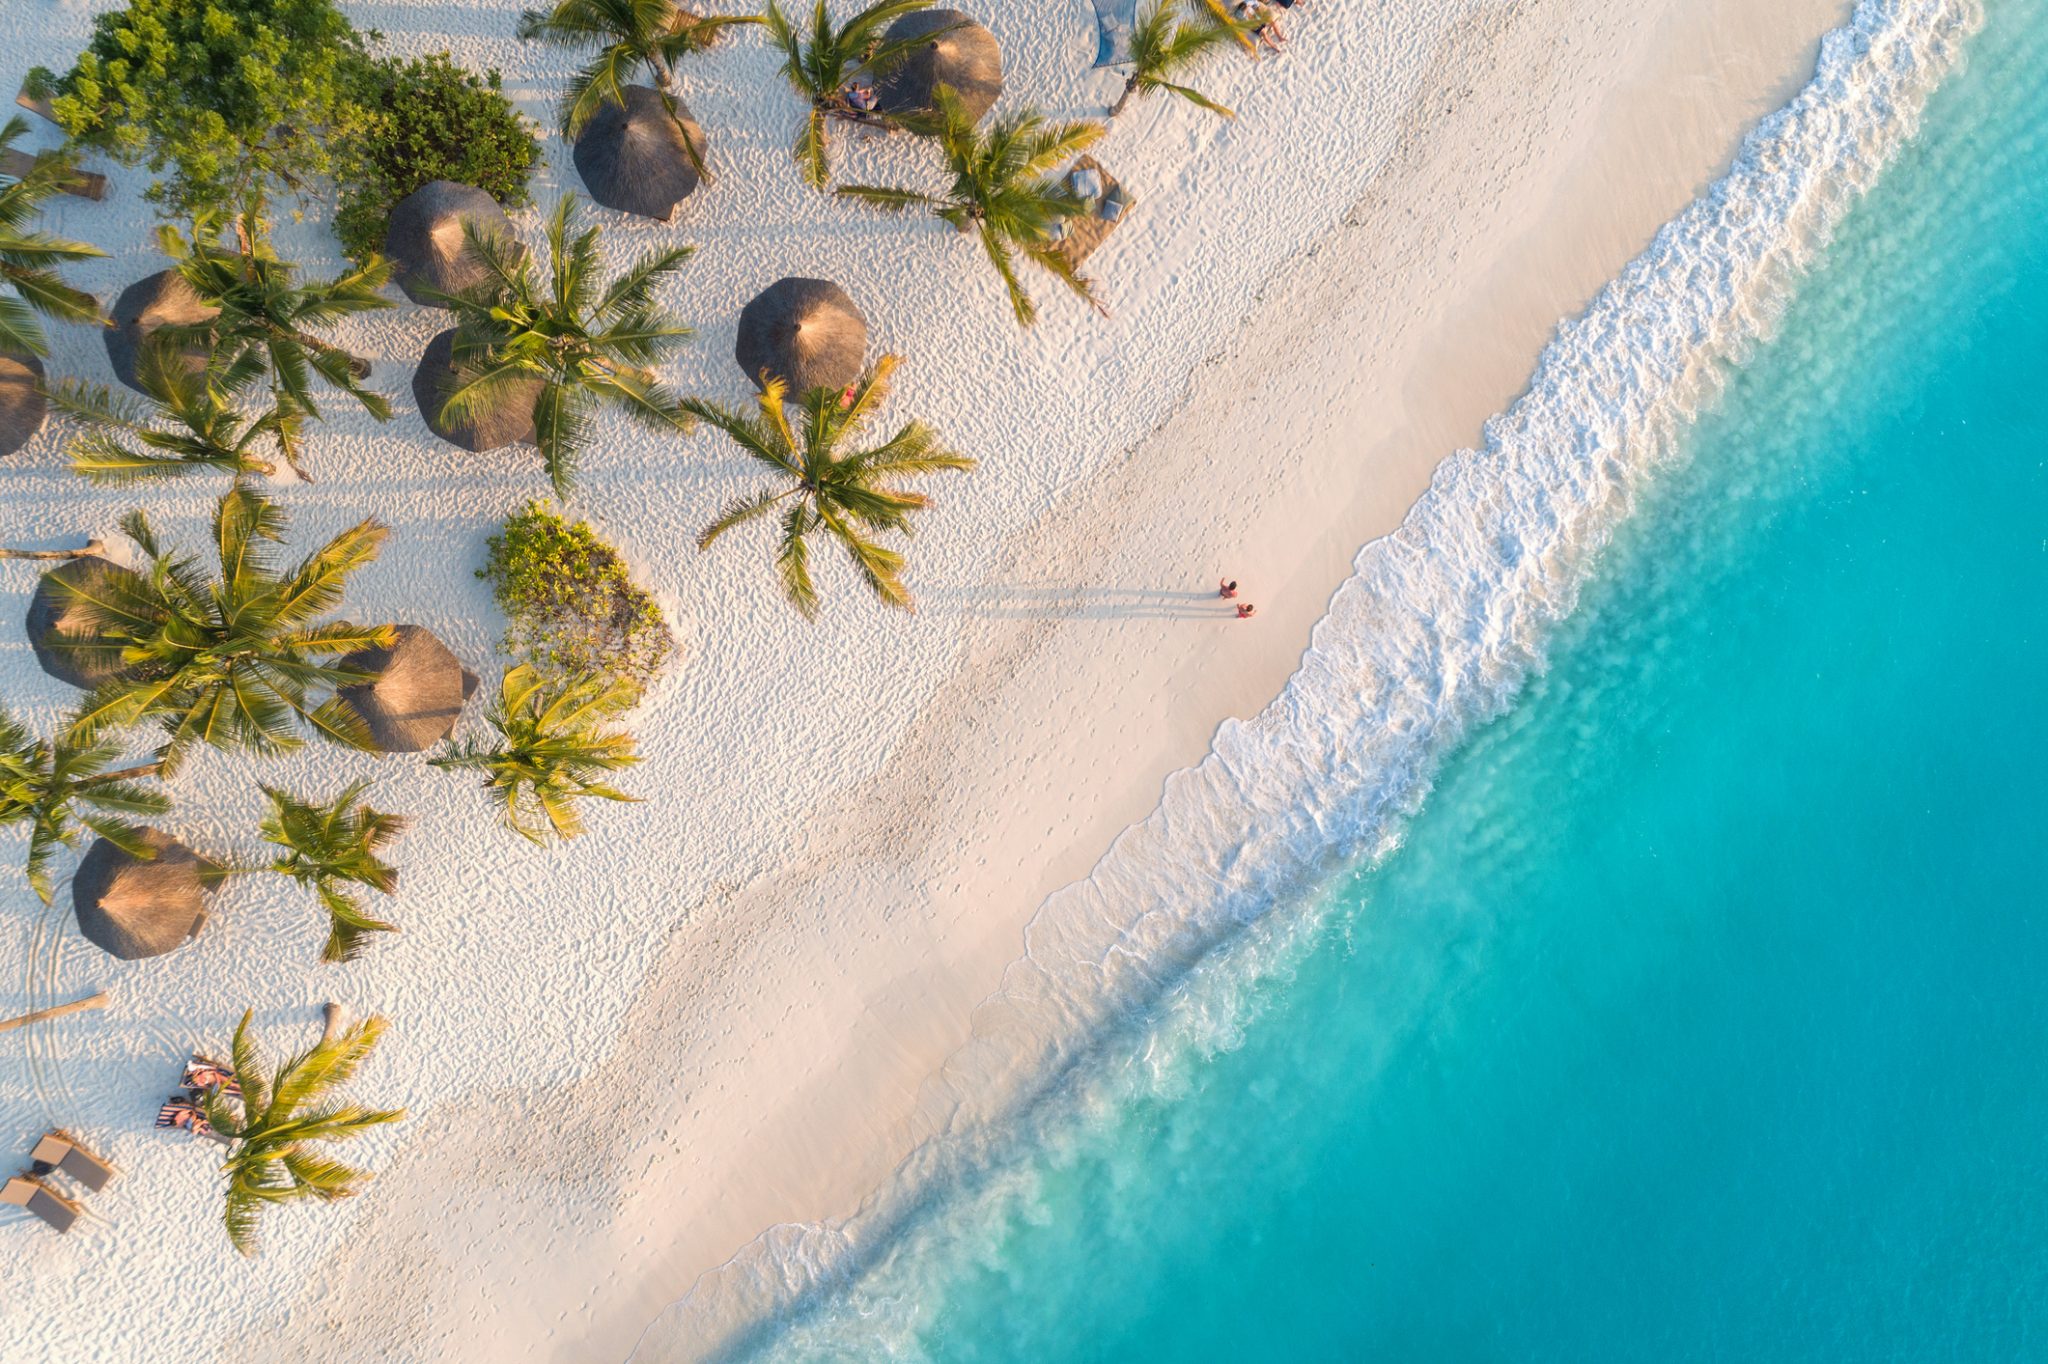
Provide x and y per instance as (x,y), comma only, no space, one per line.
(415,702)
(52,611)
(806,332)
(159,300)
(508,422)
(425,238)
(966,58)
(134,908)
(632,156)
(22,406)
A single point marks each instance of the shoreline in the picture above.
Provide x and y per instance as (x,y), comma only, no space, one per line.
(886,1030)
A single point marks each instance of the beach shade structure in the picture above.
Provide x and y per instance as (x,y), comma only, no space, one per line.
(507,419)
(160,300)
(806,332)
(418,694)
(960,53)
(632,156)
(135,908)
(425,239)
(22,405)
(53,611)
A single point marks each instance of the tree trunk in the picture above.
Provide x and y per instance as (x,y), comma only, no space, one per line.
(93,548)
(98,1001)
(1130,88)
(126,774)
(336,1019)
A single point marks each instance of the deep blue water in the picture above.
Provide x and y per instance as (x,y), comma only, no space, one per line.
(1704,1012)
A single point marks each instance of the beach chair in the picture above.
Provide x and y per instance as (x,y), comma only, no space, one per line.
(85,184)
(55,1209)
(190,1117)
(39,107)
(57,1151)
(203,1073)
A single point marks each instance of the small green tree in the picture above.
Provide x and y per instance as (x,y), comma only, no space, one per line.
(630,36)
(190,422)
(1166,43)
(228,660)
(555,744)
(846,495)
(29,258)
(410,122)
(331,847)
(820,65)
(232,97)
(266,319)
(63,790)
(282,1119)
(1002,191)
(585,346)
(570,604)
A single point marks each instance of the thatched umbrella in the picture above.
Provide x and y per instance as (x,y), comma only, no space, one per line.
(52,612)
(425,238)
(632,157)
(806,332)
(134,908)
(418,694)
(163,299)
(507,420)
(961,54)
(22,405)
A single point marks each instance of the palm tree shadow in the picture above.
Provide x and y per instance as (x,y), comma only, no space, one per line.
(1070,602)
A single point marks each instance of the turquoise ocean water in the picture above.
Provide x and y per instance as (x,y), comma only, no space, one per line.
(1702,1012)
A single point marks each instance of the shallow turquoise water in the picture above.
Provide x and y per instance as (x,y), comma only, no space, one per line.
(1702,1013)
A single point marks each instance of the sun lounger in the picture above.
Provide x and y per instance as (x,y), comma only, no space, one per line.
(84,184)
(202,1074)
(57,1151)
(185,1114)
(24,1192)
(39,107)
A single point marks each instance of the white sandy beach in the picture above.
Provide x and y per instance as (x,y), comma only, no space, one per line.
(722,1012)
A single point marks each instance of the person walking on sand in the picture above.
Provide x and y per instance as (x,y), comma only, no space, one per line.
(1227,589)
(1244,610)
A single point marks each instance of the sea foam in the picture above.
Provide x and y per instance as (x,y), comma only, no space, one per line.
(1432,635)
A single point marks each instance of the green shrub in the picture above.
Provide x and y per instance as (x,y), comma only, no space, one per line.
(233,96)
(409,122)
(569,604)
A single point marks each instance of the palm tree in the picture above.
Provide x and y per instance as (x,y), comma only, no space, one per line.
(190,422)
(1002,189)
(230,660)
(628,35)
(1166,43)
(554,744)
(265,316)
(584,346)
(62,790)
(819,68)
(28,259)
(817,487)
(280,1118)
(331,847)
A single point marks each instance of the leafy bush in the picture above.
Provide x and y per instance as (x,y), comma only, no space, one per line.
(233,95)
(569,603)
(409,122)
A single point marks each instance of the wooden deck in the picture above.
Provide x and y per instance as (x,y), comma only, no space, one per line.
(1086,234)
